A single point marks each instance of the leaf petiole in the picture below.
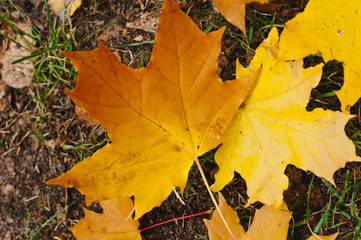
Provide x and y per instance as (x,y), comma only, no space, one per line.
(212,197)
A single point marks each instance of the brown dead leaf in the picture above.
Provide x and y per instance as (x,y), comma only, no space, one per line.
(7,189)
(114,31)
(2,91)
(146,22)
(270,8)
(8,236)
(83,117)
(16,75)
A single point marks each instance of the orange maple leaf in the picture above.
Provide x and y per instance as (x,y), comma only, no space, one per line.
(112,224)
(234,11)
(159,118)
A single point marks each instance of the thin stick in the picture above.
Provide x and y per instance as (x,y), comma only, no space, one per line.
(174,219)
(212,197)
(141,4)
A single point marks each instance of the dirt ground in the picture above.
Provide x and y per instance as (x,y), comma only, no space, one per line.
(27,161)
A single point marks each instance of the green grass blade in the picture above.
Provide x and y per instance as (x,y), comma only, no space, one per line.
(52,32)
(331,188)
(47,221)
(308,197)
(356,232)
(323,218)
(133,44)
(209,28)
(29,56)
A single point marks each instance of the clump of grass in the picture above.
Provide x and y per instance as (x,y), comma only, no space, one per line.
(79,153)
(261,23)
(50,67)
(52,72)
(340,203)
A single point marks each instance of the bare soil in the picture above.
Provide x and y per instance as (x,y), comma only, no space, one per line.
(27,161)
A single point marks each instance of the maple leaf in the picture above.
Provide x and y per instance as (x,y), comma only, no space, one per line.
(320,237)
(273,129)
(234,11)
(215,226)
(113,224)
(333,29)
(268,224)
(159,118)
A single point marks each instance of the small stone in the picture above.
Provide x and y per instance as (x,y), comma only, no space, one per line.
(138,38)
(7,189)
(10,220)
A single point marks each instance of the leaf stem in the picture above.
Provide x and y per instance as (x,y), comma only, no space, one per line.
(212,197)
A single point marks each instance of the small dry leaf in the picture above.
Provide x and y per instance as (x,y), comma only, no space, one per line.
(7,189)
(16,75)
(8,236)
(83,117)
(146,22)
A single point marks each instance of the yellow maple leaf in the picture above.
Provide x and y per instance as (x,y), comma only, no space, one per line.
(273,129)
(320,237)
(69,6)
(159,118)
(234,11)
(113,224)
(333,29)
(268,224)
